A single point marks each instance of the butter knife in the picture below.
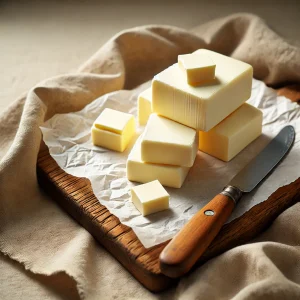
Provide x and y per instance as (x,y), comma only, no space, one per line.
(192,240)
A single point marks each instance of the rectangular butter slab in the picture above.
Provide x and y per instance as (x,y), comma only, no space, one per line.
(139,171)
(168,142)
(150,198)
(144,106)
(113,130)
(233,134)
(204,106)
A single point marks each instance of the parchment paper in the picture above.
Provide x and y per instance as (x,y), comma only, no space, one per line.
(69,141)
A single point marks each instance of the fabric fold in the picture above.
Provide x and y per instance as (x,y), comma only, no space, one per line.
(35,232)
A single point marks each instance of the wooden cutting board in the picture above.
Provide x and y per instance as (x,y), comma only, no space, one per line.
(76,197)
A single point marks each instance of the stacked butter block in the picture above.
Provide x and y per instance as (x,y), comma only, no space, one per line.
(204,106)
(144,106)
(165,152)
(197,103)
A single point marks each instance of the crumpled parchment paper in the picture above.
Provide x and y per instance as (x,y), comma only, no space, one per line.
(69,141)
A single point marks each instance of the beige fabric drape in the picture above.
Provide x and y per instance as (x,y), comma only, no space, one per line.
(61,259)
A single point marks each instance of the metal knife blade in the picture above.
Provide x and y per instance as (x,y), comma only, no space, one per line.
(193,239)
(257,169)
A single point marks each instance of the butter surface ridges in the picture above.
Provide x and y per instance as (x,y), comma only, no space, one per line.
(233,134)
(204,106)
(150,198)
(168,142)
(139,171)
(113,130)
(144,106)
(198,68)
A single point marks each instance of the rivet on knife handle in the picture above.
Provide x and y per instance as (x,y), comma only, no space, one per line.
(189,244)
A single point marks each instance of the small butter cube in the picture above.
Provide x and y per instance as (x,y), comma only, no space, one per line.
(144,106)
(198,68)
(113,130)
(168,142)
(139,171)
(233,134)
(150,197)
(202,107)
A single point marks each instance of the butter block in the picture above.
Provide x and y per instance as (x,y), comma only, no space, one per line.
(233,134)
(139,171)
(168,142)
(150,198)
(144,106)
(204,106)
(198,68)
(113,130)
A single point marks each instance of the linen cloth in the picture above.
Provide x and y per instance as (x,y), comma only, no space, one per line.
(37,235)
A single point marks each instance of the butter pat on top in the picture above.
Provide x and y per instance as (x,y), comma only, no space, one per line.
(168,142)
(150,197)
(113,130)
(202,107)
(233,134)
(199,68)
(144,106)
(140,171)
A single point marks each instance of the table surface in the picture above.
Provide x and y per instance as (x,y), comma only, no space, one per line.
(76,197)
(33,46)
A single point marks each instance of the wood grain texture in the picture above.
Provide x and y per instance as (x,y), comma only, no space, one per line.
(76,197)
(189,244)
(291,91)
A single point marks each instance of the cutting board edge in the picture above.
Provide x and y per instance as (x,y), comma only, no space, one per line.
(150,280)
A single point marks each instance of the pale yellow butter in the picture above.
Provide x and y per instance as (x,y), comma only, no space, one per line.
(199,68)
(233,134)
(150,198)
(113,130)
(168,142)
(139,171)
(144,106)
(204,106)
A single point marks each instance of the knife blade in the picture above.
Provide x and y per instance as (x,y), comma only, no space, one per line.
(246,180)
(192,240)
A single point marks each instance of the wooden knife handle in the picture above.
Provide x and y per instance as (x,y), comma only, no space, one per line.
(191,241)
